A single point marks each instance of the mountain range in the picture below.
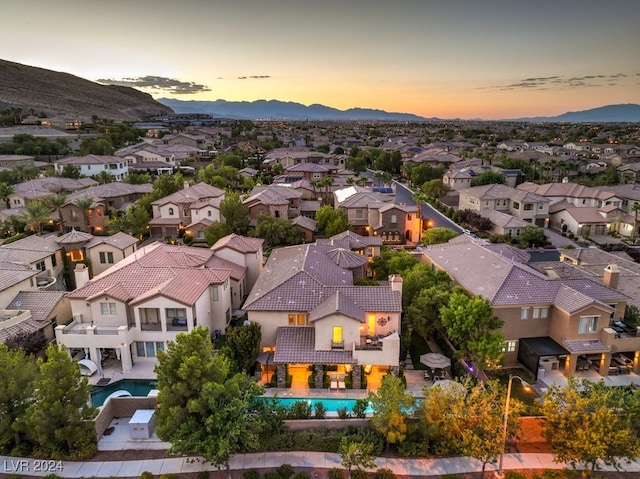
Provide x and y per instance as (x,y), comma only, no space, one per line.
(281,110)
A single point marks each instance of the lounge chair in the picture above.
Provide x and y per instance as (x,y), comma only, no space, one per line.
(341,383)
(427,376)
(334,382)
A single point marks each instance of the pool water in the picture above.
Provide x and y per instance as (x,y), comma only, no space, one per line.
(330,404)
(137,387)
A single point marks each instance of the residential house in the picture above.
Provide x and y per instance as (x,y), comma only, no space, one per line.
(131,310)
(504,224)
(521,204)
(91,165)
(39,253)
(105,199)
(40,189)
(31,311)
(104,251)
(549,322)
(307,226)
(179,210)
(311,315)
(15,277)
(276,201)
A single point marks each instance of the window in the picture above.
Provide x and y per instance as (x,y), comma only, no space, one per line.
(394,219)
(54,263)
(148,349)
(336,337)
(588,324)
(108,309)
(540,313)
(176,313)
(509,346)
(40,266)
(540,206)
(528,207)
(359,214)
(516,205)
(209,213)
(524,313)
(299,319)
(277,214)
(106,257)
(214,293)
(75,255)
(170,211)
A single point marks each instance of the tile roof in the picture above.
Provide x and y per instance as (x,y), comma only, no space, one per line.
(40,303)
(296,344)
(305,222)
(585,346)
(503,220)
(567,190)
(119,240)
(337,303)
(27,326)
(29,250)
(498,191)
(48,186)
(12,273)
(236,271)
(116,189)
(176,272)
(74,237)
(89,160)
(189,195)
(346,258)
(241,244)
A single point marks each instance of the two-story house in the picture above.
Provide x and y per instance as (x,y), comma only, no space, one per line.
(39,253)
(185,209)
(40,189)
(273,200)
(311,315)
(131,310)
(91,165)
(526,206)
(550,322)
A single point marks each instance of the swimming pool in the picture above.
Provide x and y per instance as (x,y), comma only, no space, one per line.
(331,405)
(137,387)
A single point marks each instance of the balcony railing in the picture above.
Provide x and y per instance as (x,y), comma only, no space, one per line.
(337,344)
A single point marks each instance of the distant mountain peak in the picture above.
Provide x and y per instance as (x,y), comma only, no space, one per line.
(282,110)
(621,113)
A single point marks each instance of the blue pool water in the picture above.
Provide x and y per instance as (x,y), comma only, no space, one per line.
(330,404)
(137,387)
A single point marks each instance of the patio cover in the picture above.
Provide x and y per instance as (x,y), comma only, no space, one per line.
(296,345)
(531,349)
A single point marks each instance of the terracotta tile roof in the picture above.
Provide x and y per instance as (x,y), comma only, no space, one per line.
(241,244)
(337,303)
(585,346)
(177,272)
(236,271)
(296,344)
(40,303)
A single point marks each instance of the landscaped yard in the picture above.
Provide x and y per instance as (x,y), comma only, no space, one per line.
(417,348)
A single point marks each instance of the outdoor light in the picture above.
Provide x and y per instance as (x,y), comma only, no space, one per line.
(527,387)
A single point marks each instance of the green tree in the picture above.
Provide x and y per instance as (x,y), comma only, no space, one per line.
(356,454)
(434,189)
(104,177)
(166,185)
(390,406)
(242,345)
(18,373)
(392,262)
(55,203)
(488,177)
(382,177)
(437,235)
(533,237)
(277,232)
(59,422)
(203,408)
(420,174)
(85,204)
(36,214)
(635,208)
(589,423)
(357,164)
(70,171)
(331,221)
(235,213)
(7,190)
(134,221)
(215,231)
(472,326)
(135,178)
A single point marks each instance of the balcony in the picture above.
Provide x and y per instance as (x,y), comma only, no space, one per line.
(177,324)
(150,326)
(370,342)
(337,344)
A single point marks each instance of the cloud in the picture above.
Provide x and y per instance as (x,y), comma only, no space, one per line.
(562,82)
(254,77)
(170,85)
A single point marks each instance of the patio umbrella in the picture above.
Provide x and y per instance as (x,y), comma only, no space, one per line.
(453,388)
(435,360)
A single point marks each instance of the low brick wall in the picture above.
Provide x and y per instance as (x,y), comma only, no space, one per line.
(121,407)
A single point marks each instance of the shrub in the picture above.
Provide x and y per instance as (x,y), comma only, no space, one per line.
(336,473)
(320,411)
(205,475)
(168,476)
(285,471)
(300,475)
(360,408)
(299,410)
(413,449)
(514,475)
(343,413)
(359,474)
(146,475)
(271,475)
(251,474)
(384,474)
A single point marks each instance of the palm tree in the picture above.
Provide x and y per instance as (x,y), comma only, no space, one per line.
(56,203)
(635,208)
(85,204)
(6,190)
(419,197)
(327,181)
(103,177)
(36,215)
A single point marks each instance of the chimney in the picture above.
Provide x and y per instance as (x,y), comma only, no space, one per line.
(81,274)
(611,276)
(396,283)
(185,185)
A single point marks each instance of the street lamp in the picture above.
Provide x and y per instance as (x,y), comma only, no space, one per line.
(526,387)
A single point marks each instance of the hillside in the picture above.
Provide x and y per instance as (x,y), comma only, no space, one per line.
(626,113)
(62,94)
(282,110)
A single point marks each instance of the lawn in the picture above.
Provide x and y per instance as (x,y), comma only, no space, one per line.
(527,396)
(417,348)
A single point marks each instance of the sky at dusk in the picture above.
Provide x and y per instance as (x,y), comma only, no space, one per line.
(488,59)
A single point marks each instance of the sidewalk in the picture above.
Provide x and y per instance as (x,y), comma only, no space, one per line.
(410,467)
